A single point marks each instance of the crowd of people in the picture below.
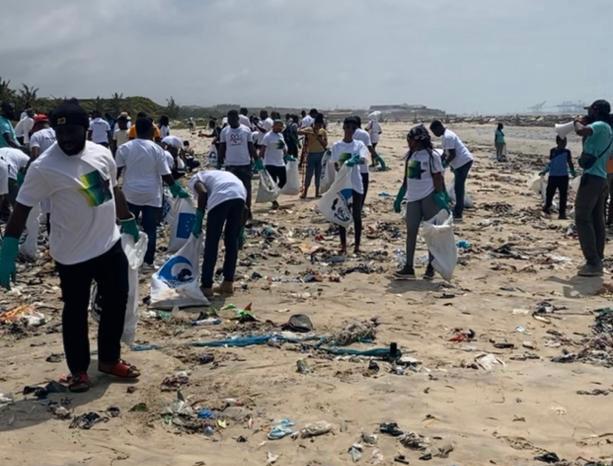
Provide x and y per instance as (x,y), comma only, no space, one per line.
(96,177)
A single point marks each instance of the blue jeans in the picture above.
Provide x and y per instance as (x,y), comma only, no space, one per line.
(313,168)
(459,186)
(149,219)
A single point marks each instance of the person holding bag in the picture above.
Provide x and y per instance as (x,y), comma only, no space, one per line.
(423,188)
(592,194)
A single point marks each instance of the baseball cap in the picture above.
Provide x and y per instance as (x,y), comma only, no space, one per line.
(600,106)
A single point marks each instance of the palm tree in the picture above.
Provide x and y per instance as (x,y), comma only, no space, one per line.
(6,93)
(27,95)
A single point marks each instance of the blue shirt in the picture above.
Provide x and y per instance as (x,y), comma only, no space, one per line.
(597,144)
(559,162)
(6,127)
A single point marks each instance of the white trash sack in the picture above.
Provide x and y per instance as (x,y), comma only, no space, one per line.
(29,240)
(135,252)
(336,204)
(177,282)
(328,173)
(468,201)
(292,185)
(181,219)
(268,191)
(438,233)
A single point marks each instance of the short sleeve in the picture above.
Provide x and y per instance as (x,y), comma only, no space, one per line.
(363,151)
(34,188)
(437,165)
(163,168)
(222,136)
(120,156)
(34,141)
(112,170)
(448,142)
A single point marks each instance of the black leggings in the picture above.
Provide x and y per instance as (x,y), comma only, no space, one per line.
(110,270)
(365,186)
(356,209)
(228,213)
(278,174)
(243,173)
(557,183)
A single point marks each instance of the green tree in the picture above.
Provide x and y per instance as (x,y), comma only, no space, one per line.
(6,93)
(117,103)
(27,96)
(172,109)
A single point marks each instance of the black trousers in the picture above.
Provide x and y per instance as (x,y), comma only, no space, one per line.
(365,179)
(278,174)
(230,214)
(557,183)
(356,209)
(110,270)
(243,173)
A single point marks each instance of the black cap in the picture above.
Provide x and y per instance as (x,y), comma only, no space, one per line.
(69,113)
(600,106)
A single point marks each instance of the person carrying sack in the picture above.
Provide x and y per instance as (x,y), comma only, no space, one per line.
(597,137)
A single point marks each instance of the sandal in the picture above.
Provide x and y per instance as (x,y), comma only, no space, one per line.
(121,369)
(77,383)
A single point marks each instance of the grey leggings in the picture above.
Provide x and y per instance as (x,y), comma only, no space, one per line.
(424,209)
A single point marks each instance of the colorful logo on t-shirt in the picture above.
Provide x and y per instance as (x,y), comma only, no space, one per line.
(414,170)
(342,205)
(344,157)
(95,188)
(236,138)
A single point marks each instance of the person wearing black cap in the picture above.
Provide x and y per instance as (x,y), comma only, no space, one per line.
(591,197)
(80,179)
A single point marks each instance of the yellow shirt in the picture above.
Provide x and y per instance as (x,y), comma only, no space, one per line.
(313,143)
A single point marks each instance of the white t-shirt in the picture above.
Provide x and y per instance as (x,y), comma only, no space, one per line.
(170,161)
(307,122)
(275,149)
(362,135)
(220,185)
(80,188)
(43,139)
(173,141)
(4,178)
(99,128)
(450,140)
(374,130)
(420,168)
(237,145)
(244,120)
(164,131)
(15,159)
(343,151)
(120,136)
(23,128)
(257,137)
(144,163)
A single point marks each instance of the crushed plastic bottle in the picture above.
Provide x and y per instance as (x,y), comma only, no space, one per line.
(401,257)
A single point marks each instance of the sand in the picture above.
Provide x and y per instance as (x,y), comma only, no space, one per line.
(504,416)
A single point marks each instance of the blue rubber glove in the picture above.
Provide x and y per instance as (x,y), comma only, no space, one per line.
(8,256)
(177,191)
(129,227)
(197,228)
(259,165)
(442,200)
(399,199)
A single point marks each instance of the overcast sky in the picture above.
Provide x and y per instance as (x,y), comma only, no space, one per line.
(462,56)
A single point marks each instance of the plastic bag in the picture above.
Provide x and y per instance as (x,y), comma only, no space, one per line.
(292,185)
(135,252)
(438,233)
(181,221)
(336,204)
(468,201)
(328,173)
(268,190)
(177,282)
(538,185)
(29,241)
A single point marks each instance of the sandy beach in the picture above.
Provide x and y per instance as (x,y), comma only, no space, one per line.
(514,290)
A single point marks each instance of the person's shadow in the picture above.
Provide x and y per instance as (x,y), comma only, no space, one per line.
(404,286)
(28,411)
(582,286)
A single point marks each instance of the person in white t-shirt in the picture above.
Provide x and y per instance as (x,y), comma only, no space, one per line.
(144,168)
(458,157)
(43,136)
(352,153)
(423,189)
(375,131)
(99,130)
(273,151)
(236,151)
(362,135)
(308,120)
(17,163)
(24,127)
(243,117)
(120,133)
(265,123)
(222,195)
(164,126)
(80,179)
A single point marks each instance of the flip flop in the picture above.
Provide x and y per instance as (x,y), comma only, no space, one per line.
(122,370)
(77,383)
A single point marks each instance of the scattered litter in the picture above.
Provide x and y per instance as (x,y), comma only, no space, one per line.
(41,391)
(369,439)
(300,323)
(270,458)
(415,441)
(355,451)
(548,457)
(315,429)
(390,428)
(173,382)
(460,335)
(302,367)
(488,361)
(23,314)
(281,429)
(6,399)
(595,392)
(87,421)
